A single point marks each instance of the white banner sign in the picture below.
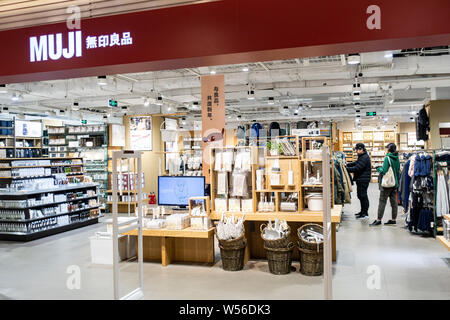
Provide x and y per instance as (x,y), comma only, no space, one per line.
(305,132)
(141,133)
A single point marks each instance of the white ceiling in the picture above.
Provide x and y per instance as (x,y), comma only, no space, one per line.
(324,85)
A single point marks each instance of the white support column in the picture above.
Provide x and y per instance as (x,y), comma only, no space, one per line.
(327,233)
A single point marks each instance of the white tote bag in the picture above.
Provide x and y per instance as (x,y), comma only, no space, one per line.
(388,180)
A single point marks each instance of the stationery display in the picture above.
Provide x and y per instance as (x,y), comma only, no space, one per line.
(178,221)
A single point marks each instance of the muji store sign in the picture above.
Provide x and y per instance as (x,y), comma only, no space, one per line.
(219,32)
(51,47)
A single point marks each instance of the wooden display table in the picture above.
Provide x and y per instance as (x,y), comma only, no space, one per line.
(255,245)
(184,245)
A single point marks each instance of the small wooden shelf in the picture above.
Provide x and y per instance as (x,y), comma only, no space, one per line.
(444,241)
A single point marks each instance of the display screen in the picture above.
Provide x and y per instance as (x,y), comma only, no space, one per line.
(176,191)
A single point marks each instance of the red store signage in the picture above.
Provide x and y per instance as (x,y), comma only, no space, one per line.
(220,32)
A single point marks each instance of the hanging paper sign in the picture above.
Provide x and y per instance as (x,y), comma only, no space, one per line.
(213,116)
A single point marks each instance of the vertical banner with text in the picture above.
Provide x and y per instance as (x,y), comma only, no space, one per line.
(213,117)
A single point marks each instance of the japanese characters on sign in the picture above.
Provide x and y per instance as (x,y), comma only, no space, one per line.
(111,40)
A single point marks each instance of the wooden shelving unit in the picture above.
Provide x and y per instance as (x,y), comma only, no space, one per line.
(375,142)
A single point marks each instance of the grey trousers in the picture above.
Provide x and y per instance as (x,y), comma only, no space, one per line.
(386,193)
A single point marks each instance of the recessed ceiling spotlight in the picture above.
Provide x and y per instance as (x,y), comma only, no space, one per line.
(159,100)
(353,59)
(385,119)
(212,72)
(169,108)
(102,81)
(245,69)
(388,55)
(321,122)
(183,121)
(15,97)
(146,102)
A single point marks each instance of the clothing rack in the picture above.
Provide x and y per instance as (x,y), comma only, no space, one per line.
(436,165)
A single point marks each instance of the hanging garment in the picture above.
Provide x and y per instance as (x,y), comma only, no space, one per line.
(411,166)
(347,195)
(254,133)
(344,197)
(347,177)
(417,205)
(338,187)
(406,189)
(424,220)
(442,195)
(423,125)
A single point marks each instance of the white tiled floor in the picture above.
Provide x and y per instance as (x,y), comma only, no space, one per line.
(411,266)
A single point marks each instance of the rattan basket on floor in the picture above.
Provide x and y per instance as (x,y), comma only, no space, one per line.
(276,243)
(311,261)
(280,259)
(310,253)
(233,257)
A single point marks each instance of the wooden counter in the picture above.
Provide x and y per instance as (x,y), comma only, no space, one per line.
(186,245)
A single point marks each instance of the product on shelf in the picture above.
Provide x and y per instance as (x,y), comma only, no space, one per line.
(178,221)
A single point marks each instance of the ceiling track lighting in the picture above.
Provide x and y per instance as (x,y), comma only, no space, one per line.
(102,81)
(271,101)
(3,88)
(159,100)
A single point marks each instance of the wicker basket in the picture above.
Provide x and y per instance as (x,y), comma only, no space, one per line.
(311,261)
(280,259)
(310,253)
(276,243)
(310,245)
(238,242)
(233,257)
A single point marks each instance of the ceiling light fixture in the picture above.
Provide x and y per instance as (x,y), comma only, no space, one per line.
(102,81)
(146,102)
(183,121)
(15,97)
(245,69)
(212,72)
(271,101)
(353,59)
(75,106)
(3,88)
(159,100)
(251,95)
(388,55)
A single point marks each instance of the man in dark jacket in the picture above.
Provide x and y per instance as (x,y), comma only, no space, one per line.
(362,171)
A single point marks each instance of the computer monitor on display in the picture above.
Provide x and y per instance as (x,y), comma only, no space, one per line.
(176,191)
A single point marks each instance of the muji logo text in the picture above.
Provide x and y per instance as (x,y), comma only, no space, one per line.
(51,46)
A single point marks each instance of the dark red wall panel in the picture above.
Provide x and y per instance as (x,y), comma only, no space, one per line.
(232,31)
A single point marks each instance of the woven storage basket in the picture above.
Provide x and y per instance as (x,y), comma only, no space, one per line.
(238,242)
(310,253)
(311,261)
(310,245)
(280,259)
(277,243)
(233,257)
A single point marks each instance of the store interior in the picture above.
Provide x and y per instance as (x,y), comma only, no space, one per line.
(58,138)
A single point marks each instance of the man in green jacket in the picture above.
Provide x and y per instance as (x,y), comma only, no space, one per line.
(391,160)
